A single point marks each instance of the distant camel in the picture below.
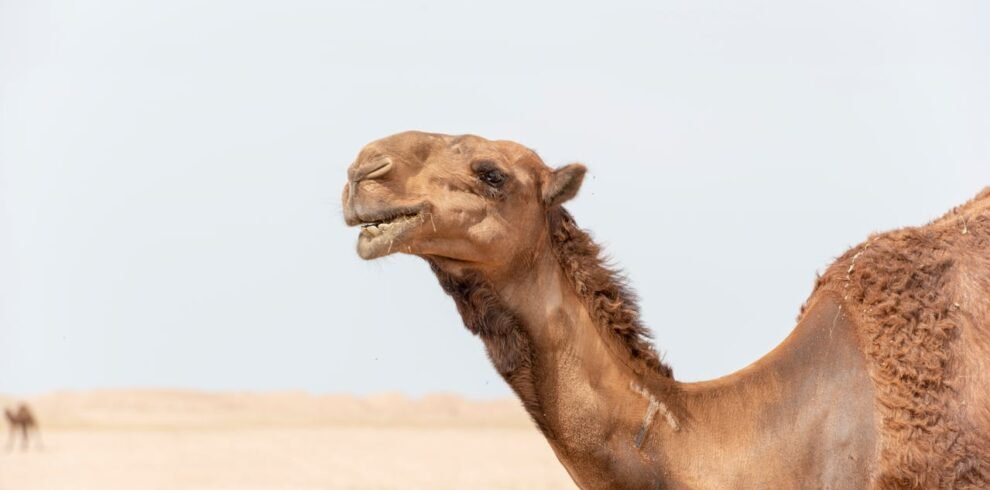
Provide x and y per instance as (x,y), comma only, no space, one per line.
(21,420)
(884,382)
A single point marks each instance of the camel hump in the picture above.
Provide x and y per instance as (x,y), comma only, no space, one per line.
(936,249)
(976,208)
(984,194)
(919,297)
(22,414)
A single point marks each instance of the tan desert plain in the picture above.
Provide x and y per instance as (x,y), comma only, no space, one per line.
(181,439)
(882,384)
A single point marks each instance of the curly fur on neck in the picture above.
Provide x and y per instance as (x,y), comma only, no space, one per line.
(507,342)
(611,304)
(609,300)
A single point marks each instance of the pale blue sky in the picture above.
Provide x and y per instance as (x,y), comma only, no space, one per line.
(170,172)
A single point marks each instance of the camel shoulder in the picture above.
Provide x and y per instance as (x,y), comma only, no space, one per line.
(920,301)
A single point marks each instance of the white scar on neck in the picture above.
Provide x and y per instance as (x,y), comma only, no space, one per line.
(651,410)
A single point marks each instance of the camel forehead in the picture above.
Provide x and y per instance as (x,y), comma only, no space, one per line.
(407,140)
(420,146)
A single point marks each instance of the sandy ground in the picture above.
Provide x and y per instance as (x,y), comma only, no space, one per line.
(186,440)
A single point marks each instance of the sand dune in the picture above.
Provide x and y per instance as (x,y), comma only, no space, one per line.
(171,439)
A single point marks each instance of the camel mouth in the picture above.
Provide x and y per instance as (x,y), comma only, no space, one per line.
(383,234)
(386,227)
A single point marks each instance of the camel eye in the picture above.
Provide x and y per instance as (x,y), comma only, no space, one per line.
(489,173)
(494,178)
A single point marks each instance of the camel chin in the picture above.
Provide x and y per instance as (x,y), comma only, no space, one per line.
(381,238)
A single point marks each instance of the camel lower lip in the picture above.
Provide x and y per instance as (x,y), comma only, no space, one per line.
(383,238)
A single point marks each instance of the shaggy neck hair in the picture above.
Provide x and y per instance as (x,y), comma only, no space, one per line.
(508,344)
(609,301)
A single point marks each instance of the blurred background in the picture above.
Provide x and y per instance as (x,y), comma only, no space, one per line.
(178,291)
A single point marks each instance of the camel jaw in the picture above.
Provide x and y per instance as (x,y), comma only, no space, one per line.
(385,234)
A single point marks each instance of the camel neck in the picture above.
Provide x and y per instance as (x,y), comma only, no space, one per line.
(566,337)
(594,399)
(613,424)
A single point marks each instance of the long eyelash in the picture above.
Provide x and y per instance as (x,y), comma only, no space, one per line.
(492,192)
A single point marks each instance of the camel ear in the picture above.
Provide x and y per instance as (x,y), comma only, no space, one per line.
(563,184)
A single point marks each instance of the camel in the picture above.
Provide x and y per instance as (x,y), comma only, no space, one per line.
(883,382)
(21,420)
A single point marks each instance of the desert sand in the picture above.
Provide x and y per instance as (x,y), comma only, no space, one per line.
(155,439)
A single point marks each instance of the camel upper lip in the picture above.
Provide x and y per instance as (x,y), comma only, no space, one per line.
(383,216)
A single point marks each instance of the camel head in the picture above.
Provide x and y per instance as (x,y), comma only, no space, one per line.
(458,201)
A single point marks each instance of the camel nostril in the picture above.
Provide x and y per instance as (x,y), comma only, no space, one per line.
(373,170)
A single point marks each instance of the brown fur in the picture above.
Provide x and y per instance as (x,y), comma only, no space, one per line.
(903,288)
(507,343)
(611,304)
(882,383)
